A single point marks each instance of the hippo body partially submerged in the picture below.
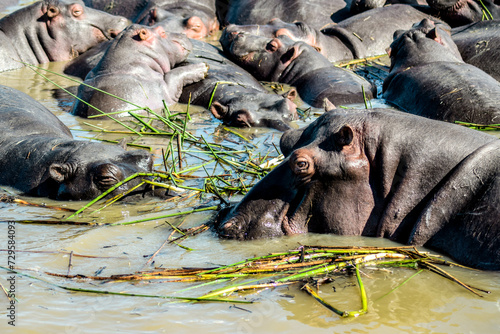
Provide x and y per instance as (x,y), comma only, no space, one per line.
(317,13)
(363,35)
(429,78)
(298,64)
(53,31)
(236,97)
(196,18)
(138,66)
(479,45)
(381,173)
(39,156)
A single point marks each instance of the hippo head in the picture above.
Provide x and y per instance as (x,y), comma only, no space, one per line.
(67,28)
(92,168)
(461,12)
(164,48)
(265,58)
(297,31)
(258,109)
(424,42)
(194,24)
(324,166)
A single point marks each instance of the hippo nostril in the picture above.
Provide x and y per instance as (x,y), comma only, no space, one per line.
(113,33)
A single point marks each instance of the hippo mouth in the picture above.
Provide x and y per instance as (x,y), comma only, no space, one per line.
(278,218)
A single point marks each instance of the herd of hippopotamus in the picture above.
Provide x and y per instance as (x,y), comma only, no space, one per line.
(411,176)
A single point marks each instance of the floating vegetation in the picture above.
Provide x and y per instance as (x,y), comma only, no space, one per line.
(307,267)
(192,164)
(480,127)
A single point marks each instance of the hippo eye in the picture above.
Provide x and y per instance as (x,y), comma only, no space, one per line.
(272,46)
(107,175)
(302,164)
(77,11)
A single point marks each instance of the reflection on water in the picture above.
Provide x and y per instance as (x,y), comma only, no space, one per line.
(426,304)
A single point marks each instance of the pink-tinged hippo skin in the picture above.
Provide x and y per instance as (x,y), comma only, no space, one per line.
(381,173)
(429,78)
(363,35)
(39,156)
(479,45)
(138,66)
(195,18)
(298,64)
(317,13)
(53,30)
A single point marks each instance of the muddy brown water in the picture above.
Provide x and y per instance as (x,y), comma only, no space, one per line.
(426,304)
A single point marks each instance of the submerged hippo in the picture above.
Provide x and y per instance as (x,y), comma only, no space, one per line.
(39,156)
(381,173)
(317,13)
(479,45)
(298,64)
(138,66)
(363,35)
(53,30)
(239,99)
(429,78)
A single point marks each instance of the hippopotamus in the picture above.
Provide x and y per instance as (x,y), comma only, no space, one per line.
(460,12)
(197,19)
(239,99)
(429,78)
(478,44)
(51,30)
(298,64)
(317,13)
(138,67)
(360,36)
(39,156)
(381,173)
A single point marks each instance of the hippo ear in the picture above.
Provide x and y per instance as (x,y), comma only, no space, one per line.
(289,55)
(214,26)
(397,34)
(218,110)
(60,172)
(291,94)
(345,136)
(328,105)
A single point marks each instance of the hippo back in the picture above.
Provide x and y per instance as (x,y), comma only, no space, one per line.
(23,116)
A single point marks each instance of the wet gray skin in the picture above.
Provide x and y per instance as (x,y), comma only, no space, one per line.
(53,31)
(298,64)
(428,78)
(363,172)
(142,60)
(39,156)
